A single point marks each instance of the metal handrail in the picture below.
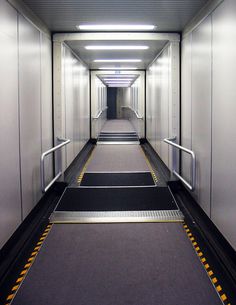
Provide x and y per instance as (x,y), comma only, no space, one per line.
(190,186)
(136,113)
(46,153)
(99,113)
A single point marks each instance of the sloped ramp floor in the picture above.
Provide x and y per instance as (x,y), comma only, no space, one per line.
(104,264)
(117,126)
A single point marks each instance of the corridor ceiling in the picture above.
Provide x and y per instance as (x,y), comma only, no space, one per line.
(88,56)
(65,15)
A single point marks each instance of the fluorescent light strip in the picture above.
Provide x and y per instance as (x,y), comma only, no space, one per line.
(123,68)
(118,82)
(117,60)
(122,86)
(116,47)
(116,27)
(118,79)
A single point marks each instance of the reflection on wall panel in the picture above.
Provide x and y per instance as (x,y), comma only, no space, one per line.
(208,69)
(10,200)
(70,96)
(201,110)
(98,104)
(186,104)
(30,128)
(224,123)
(76,103)
(25,117)
(163,101)
(46,103)
(137,100)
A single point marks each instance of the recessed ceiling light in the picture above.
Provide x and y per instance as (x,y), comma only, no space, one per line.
(117,83)
(122,86)
(116,47)
(116,27)
(123,68)
(117,60)
(118,79)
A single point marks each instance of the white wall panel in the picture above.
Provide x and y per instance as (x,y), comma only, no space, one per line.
(165,104)
(186,104)
(163,101)
(77,129)
(72,111)
(25,117)
(201,110)
(69,104)
(10,198)
(157,106)
(98,104)
(208,65)
(224,123)
(30,127)
(46,103)
(137,100)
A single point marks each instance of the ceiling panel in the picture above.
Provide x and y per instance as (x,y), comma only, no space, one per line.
(88,56)
(64,15)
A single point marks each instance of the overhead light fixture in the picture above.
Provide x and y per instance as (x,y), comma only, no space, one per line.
(118,81)
(126,86)
(117,60)
(116,47)
(116,27)
(122,83)
(123,68)
(118,78)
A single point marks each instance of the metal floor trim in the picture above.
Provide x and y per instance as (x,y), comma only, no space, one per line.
(116,186)
(117,216)
(116,172)
(118,143)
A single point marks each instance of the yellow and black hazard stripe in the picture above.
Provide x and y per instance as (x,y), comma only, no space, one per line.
(154,177)
(209,270)
(81,176)
(27,266)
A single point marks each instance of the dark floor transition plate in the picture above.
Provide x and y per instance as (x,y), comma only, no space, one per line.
(117,179)
(118,139)
(116,199)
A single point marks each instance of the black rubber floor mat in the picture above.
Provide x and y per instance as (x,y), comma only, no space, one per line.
(116,199)
(117,179)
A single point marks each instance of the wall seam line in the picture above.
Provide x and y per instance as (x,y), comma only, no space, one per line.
(19,118)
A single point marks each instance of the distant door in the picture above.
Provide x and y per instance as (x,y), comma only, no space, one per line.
(111,103)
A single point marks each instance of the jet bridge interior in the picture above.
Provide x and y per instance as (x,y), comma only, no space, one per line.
(117,152)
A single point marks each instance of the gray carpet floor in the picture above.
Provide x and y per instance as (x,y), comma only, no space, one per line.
(118,264)
(117,158)
(118,126)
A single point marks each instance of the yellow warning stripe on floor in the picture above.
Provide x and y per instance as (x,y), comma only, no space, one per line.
(154,177)
(27,266)
(207,267)
(81,176)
